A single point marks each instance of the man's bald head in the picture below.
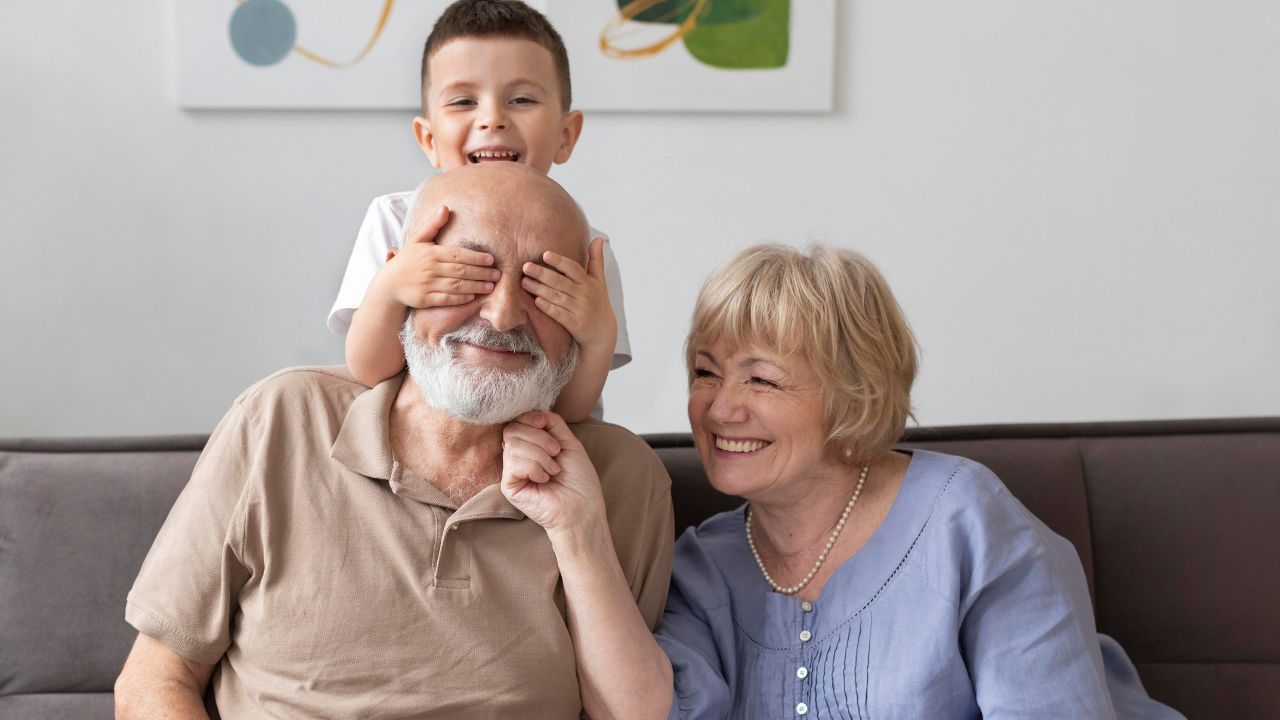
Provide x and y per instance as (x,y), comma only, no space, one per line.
(495,203)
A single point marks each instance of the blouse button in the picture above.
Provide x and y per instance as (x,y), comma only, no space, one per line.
(805,635)
(806,606)
(802,672)
(801,708)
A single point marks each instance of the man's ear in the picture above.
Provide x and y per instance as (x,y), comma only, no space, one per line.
(570,131)
(427,141)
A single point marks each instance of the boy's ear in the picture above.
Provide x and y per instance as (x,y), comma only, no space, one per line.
(427,141)
(570,131)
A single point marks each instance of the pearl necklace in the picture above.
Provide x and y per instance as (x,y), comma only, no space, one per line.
(835,535)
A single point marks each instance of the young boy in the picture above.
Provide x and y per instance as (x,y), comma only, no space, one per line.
(495,88)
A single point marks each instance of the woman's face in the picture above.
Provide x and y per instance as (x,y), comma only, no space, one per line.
(758,423)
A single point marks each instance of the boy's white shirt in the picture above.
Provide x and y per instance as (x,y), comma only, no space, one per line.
(380,232)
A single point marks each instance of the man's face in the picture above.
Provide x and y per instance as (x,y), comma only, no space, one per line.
(502,335)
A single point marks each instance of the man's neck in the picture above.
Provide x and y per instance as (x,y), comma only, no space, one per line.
(458,458)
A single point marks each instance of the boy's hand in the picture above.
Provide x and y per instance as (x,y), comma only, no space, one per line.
(423,274)
(576,298)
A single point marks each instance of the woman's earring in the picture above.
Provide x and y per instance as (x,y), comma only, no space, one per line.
(848,453)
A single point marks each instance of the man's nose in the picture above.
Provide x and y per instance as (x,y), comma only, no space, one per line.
(507,307)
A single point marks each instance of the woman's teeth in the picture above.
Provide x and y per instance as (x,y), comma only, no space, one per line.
(739,446)
(483,155)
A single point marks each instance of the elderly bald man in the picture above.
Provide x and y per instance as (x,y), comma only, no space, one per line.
(407,550)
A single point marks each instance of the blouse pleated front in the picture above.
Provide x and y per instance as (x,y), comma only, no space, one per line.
(961,605)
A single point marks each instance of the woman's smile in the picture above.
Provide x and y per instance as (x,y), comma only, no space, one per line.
(739,446)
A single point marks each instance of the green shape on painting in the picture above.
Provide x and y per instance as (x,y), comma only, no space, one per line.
(760,42)
(716,12)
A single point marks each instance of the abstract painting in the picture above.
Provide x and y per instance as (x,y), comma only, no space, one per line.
(313,54)
(626,55)
(700,55)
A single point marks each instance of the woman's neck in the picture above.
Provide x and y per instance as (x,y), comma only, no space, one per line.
(795,527)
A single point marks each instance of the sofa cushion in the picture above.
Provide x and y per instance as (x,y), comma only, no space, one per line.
(74,528)
(57,706)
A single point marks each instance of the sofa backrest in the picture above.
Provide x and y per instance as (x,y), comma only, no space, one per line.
(1175,523)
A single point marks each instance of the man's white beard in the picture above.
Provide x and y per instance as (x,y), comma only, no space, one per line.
(481,395)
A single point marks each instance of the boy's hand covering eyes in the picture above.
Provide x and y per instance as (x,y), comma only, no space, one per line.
(576,298)
(425,274)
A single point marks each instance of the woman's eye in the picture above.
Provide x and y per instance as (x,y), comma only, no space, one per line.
(761,382)
(703,374)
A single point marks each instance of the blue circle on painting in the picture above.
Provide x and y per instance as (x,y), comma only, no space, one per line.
(263,31)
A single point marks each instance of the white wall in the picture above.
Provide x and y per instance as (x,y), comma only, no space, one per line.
(1077,203)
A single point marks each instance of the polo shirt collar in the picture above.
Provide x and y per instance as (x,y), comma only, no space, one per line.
(364,440)
(364,446)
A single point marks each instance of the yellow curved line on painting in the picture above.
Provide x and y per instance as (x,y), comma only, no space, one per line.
(630,11)
(377,33)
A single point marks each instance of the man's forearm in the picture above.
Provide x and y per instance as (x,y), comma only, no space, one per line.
(622,671)
(157,700)
(157,683)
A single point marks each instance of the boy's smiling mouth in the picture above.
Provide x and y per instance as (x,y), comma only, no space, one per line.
(493,154)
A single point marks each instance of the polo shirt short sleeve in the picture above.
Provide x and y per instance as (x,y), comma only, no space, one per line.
(188,588)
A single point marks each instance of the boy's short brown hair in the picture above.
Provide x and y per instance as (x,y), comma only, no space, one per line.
(498,18)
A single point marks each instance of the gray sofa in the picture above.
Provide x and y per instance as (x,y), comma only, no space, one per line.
(1177,524)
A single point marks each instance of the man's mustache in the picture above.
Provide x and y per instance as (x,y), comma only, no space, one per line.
(483,334)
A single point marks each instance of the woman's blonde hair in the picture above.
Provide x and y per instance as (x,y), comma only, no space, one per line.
(832,308)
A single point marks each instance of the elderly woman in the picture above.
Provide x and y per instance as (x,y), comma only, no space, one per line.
(859,581)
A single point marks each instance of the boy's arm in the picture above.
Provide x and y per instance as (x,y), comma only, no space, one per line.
(373,342)
(579,397)
(421,275)
(578,299)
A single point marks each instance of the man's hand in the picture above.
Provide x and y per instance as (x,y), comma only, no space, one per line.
(547,475)
(576,298)
(423,274)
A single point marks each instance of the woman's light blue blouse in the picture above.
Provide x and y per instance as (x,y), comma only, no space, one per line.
(961,605)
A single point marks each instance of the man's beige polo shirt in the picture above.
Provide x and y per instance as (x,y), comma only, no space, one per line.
(325,581)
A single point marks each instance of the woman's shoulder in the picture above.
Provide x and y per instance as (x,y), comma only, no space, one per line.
(717,538)
(965,487)
(974,513)
(709,557)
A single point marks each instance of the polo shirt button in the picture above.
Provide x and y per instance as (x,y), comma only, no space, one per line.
(805,635)
(454,527)
(806,606)
(802,672)
(801,708)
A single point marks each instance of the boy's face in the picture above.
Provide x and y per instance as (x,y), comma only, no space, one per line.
(495,100)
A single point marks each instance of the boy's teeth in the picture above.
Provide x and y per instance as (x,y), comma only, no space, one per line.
(739,446)
(495,154)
